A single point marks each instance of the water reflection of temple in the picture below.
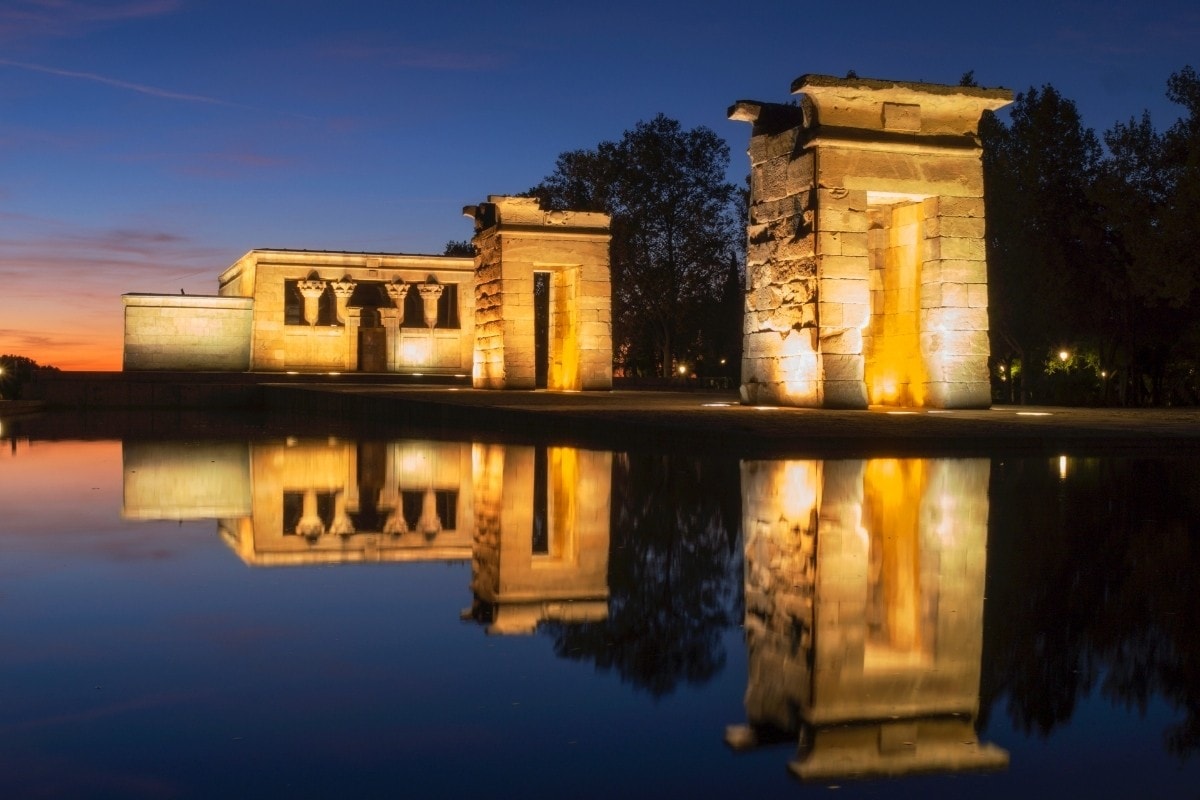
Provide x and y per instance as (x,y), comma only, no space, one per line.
(533,521)
(864,585)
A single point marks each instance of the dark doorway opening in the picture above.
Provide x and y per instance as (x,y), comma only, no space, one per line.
(541,328)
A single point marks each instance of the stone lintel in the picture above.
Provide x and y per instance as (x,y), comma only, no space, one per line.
(139,299)
(907,108)
(517,213)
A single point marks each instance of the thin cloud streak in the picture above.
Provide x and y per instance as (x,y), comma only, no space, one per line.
(142,88)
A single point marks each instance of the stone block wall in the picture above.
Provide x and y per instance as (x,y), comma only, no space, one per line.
(187,332)
(837,181)
(411,347)
(515,239)
(185,480)
(518,586)
(864,589)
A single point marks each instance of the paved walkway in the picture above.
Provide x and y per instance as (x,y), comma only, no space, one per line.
(716,422)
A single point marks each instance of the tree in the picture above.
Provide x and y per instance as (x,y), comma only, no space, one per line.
(456,247)
(674,574)
(1043,236)
(674,228)
(15,372)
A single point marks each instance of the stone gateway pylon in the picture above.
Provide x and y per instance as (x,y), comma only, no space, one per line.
(866,279)
(525,255)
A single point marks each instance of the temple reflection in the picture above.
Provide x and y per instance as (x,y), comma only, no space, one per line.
(532,521)
(864,588)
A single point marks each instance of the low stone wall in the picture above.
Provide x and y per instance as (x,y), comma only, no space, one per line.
(187,332)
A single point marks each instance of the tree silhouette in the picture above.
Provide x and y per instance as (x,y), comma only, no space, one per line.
(674,227)
(675,575)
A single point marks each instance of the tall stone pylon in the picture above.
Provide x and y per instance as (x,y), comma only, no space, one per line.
(515,239)
(866,276)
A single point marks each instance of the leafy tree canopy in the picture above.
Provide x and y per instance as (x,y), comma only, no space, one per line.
(675,224)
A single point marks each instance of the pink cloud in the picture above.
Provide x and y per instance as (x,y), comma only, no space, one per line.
(61,303)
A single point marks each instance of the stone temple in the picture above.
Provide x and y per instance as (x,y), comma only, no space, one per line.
(532,310)
(866,275)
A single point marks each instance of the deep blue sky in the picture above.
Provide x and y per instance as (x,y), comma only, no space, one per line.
(147,144)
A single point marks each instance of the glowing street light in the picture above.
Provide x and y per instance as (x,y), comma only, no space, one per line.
(683,369)
(1063,355)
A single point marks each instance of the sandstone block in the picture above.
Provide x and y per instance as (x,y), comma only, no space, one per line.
(977,295)
(839,266)
(841,341)
(845,290)
(844,394)
(961,227)
(960,207)
(841,367)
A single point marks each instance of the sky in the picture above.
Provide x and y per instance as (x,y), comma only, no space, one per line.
(145,145)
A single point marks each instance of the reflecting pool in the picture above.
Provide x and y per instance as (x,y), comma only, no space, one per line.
(330,617)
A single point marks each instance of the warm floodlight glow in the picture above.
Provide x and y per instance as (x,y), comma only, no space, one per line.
(716,405)
(683,369)
(1062,467)
(1103,374)
(292,372)
(1033,413)
(900,413)
(416,352)
(334,373)
(722,361)
(1063,355)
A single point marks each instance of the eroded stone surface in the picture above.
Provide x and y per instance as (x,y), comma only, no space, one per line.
(867,225)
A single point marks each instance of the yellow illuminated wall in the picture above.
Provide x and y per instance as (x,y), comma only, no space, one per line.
(895,370)
(866,278)
(864,585)
(518,579)
(516,239)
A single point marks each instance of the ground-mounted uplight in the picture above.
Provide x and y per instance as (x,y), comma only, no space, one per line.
(1064,356)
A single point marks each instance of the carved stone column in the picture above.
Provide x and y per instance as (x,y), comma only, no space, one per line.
(342,525)
(311,291)
(341,292)
(310,524)
(430,294)
(430,524)
(397,292)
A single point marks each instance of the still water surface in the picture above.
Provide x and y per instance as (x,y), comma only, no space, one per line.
(319,618)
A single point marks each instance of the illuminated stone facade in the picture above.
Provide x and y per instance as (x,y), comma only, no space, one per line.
(541,536)
(517,242)
(531,311)
(864,590)
(187,332)
(532,521)
(351,312)
(866,276)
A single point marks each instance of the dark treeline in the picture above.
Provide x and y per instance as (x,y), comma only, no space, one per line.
(15,373)
(1091,589)
(1093,253)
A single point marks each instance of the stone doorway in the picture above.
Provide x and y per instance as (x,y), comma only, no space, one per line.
(541,329)
(542,297)
(372,343)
